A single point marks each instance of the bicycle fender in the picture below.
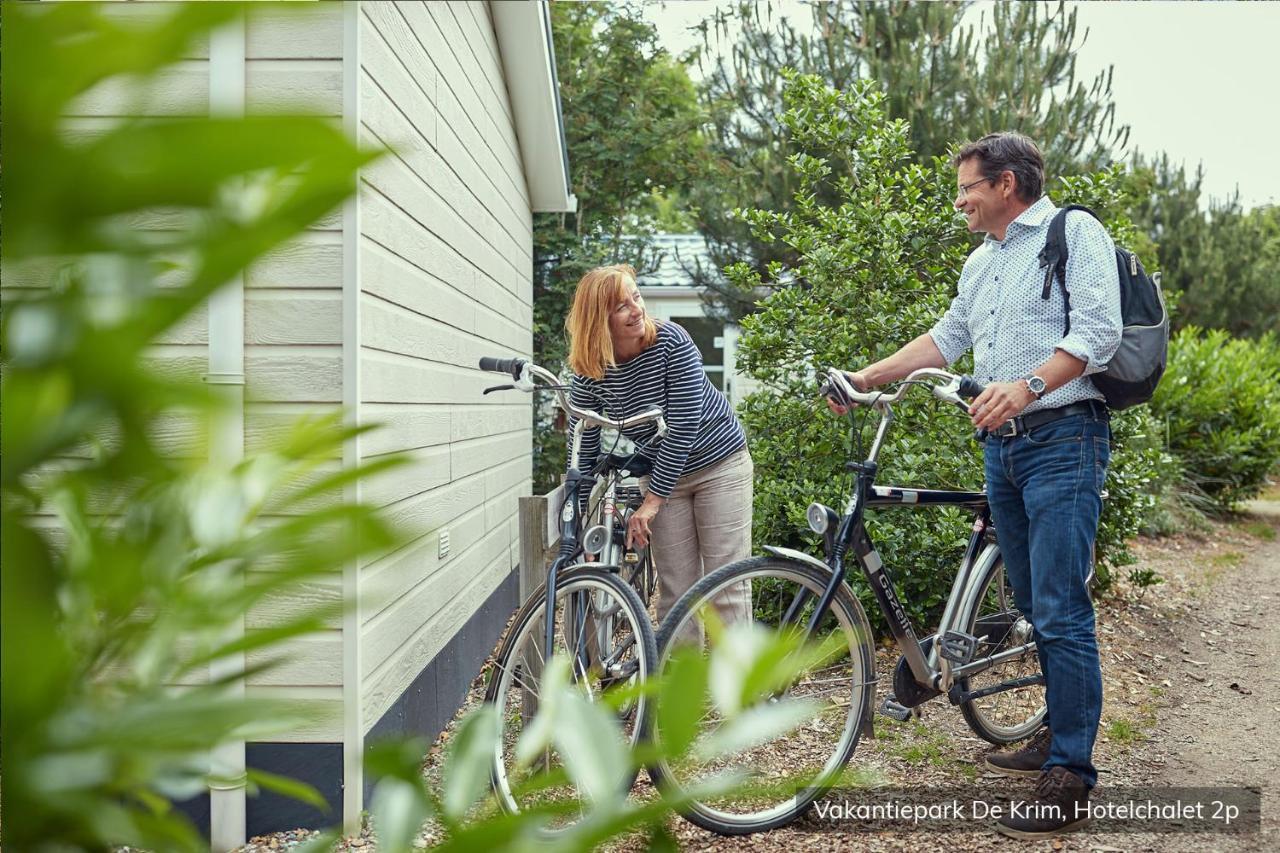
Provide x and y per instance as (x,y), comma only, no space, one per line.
(798,556)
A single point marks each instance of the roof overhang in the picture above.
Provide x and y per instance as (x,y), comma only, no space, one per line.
(529,63)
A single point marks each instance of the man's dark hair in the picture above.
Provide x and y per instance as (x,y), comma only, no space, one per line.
(1007,152)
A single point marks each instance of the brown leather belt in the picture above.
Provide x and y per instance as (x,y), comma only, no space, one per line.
(1023,423)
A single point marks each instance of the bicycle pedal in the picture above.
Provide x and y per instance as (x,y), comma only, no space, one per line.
(891,709)
(957,646)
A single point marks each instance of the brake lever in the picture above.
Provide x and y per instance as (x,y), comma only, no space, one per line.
(500,388)
(834,394)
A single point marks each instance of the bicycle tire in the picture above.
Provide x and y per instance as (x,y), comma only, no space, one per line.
(1013,715)
(518,666)
(845,686)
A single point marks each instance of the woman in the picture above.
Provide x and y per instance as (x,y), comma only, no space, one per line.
(697,504)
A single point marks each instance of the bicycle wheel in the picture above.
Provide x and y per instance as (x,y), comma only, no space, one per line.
(789,771)
(1010,715)
(603,628)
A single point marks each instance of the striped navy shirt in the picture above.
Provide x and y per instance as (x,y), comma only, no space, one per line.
(701,426)
(998,312)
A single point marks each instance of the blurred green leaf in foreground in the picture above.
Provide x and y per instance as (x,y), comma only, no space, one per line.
(124,567)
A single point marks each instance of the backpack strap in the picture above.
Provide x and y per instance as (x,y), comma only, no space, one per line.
(1053,258)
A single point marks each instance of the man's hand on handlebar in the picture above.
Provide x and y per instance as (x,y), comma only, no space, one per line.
(859,383)
(1000,402)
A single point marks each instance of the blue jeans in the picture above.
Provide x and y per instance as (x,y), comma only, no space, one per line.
(1045,491)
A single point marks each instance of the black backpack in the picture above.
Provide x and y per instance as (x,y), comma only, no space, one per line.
(1135,370)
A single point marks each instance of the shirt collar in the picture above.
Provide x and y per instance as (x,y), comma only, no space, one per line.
(1033,217)
(1037,214)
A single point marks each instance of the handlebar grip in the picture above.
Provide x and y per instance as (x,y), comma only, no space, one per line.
(970,387)
(503,365)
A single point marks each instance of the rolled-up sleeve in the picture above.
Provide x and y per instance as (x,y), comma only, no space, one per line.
(1093,285)
(951,334)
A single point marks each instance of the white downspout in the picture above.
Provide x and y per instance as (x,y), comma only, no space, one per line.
(353,617)
(226,445)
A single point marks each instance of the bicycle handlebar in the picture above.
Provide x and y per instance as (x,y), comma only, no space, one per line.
(524,373)
(503,365)
(956,389)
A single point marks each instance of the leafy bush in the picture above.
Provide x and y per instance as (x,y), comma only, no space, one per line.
(1220,405)
(876,270)
(1141,482)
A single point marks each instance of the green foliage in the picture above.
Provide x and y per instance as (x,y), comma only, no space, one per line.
(1142,479)
(1143,579)
(1220,405)
(1239,285)
(741,679)
(939,70)
(632,124)
(129,569)
(875,270)
(1222,264)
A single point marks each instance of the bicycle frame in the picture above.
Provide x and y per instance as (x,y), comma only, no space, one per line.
(575,480)
(931,671)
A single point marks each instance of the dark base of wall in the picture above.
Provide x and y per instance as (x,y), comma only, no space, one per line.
(430,702)
(425,708)
(317,764)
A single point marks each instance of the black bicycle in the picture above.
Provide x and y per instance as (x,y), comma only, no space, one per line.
(982,656)
(593,593)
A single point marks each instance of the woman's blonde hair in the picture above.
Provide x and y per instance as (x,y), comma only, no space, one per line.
(590,343)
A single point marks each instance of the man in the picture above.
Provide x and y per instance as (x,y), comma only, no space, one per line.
(1048,440)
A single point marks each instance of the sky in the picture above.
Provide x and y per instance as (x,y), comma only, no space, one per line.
(1197,80)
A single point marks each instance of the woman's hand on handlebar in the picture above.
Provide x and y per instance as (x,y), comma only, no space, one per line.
(859,383)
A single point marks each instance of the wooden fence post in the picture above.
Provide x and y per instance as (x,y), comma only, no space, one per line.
(533,543)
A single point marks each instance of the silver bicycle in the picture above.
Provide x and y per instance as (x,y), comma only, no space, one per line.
(587,611)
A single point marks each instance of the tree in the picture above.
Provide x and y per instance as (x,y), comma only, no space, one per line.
(1221,266)
(1238,288)
(949,76)
(633,128)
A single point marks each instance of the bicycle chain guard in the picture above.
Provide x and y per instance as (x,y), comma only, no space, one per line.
(906,690)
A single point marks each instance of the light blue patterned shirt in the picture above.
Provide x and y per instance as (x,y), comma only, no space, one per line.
(998,312)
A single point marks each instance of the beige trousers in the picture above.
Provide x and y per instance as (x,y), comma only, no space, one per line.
(705,524)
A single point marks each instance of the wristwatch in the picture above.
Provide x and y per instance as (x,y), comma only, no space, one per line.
(1035,385)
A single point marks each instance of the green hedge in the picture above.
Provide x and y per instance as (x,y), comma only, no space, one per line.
(1219,402)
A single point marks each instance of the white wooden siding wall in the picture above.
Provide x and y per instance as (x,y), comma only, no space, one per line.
(446,261)
(293,334)
(293,324)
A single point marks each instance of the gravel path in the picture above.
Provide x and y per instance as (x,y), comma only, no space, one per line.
(1191,699)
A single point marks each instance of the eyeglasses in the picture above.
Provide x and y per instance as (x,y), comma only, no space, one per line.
(964,188)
